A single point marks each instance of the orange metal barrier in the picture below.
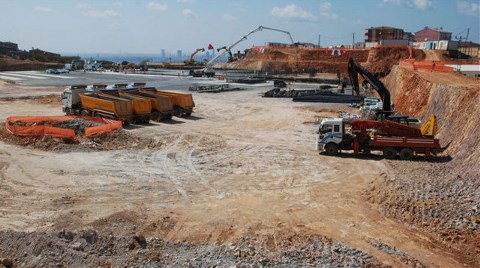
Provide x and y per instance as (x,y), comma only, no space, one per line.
(107,127)
(56,132)
(433,66)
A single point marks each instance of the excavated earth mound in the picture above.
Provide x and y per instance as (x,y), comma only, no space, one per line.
(297,59)
(381,59)
(442,195)
(10,64)
(378,60)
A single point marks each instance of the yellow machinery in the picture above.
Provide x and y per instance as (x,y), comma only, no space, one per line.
(429,128)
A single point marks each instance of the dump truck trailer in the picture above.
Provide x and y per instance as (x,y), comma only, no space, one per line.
(142,108)
(364,136)
(78,100)
(162,107)
(182,103)
(91,104)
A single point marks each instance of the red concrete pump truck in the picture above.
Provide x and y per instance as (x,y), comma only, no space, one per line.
(364,136)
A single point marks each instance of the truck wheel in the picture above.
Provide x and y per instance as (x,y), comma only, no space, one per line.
(331,149)
(389,152)
(406,154)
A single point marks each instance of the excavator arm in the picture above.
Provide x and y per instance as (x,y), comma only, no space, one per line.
(354,69)
(195,52)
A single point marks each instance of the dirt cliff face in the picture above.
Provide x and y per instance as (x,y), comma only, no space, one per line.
(454,99)
(440,196)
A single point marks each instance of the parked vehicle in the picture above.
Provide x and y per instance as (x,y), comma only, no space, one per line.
(391,138)
(182,103)
(57,71)
(142,108)
(135,103)
(77,100)
(162,107)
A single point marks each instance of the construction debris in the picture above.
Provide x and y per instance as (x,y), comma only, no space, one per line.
(315,95)
(277,92)
(247,80)
(214,88)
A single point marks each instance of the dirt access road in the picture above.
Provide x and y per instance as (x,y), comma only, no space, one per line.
(243,166)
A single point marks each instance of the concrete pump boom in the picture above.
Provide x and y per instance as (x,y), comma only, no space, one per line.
(260,28)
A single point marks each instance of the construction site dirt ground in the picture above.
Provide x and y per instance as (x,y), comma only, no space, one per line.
(242,175)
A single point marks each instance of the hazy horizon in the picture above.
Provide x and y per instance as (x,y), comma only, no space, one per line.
(147,27)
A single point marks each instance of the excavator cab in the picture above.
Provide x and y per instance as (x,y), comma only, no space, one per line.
(383,115)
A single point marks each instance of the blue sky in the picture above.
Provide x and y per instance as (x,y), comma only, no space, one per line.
(144,26)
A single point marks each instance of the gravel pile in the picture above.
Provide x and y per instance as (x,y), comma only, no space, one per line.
(436,199)
(91,249)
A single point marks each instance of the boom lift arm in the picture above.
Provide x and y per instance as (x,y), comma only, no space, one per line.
(354,69)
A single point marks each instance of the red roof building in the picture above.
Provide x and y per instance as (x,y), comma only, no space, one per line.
(429,34)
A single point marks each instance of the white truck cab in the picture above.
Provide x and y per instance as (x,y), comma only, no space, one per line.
(330,134)
(71,98)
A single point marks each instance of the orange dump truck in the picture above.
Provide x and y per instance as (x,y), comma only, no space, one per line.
(78,100)
(162,107)
(142,108)
(182,103)
(103,106)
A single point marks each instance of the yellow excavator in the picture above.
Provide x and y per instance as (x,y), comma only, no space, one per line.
(191,61)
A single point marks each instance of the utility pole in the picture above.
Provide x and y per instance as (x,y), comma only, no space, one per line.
(353,41)
(319,40)
(459,38)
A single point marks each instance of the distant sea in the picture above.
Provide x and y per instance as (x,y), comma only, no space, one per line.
(135,58)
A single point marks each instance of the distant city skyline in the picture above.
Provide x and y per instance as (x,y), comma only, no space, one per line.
(162,27)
